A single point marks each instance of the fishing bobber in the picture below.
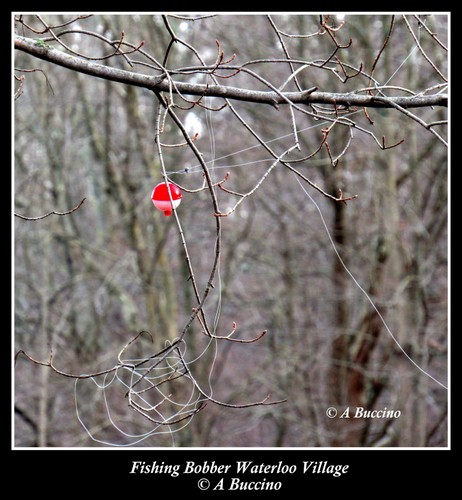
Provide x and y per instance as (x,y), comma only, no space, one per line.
(161,198)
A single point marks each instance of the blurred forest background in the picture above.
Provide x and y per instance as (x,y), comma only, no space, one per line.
(88,282)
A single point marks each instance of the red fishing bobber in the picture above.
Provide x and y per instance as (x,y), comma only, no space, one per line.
(161,198)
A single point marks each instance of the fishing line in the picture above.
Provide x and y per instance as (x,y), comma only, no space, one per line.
(198,168)
(362,289)
(209,123)
(136,438)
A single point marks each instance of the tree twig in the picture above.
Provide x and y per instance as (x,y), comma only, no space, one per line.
(53,212)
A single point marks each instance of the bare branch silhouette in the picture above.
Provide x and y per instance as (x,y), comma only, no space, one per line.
(53,212)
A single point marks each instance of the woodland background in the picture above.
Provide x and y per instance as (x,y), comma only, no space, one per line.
(88,282)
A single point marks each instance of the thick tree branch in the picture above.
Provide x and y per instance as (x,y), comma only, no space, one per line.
(161,83)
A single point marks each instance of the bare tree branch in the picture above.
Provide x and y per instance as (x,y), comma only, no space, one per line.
(160,83)
(53,212)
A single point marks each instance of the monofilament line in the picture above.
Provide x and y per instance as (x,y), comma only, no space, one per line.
(364,291)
